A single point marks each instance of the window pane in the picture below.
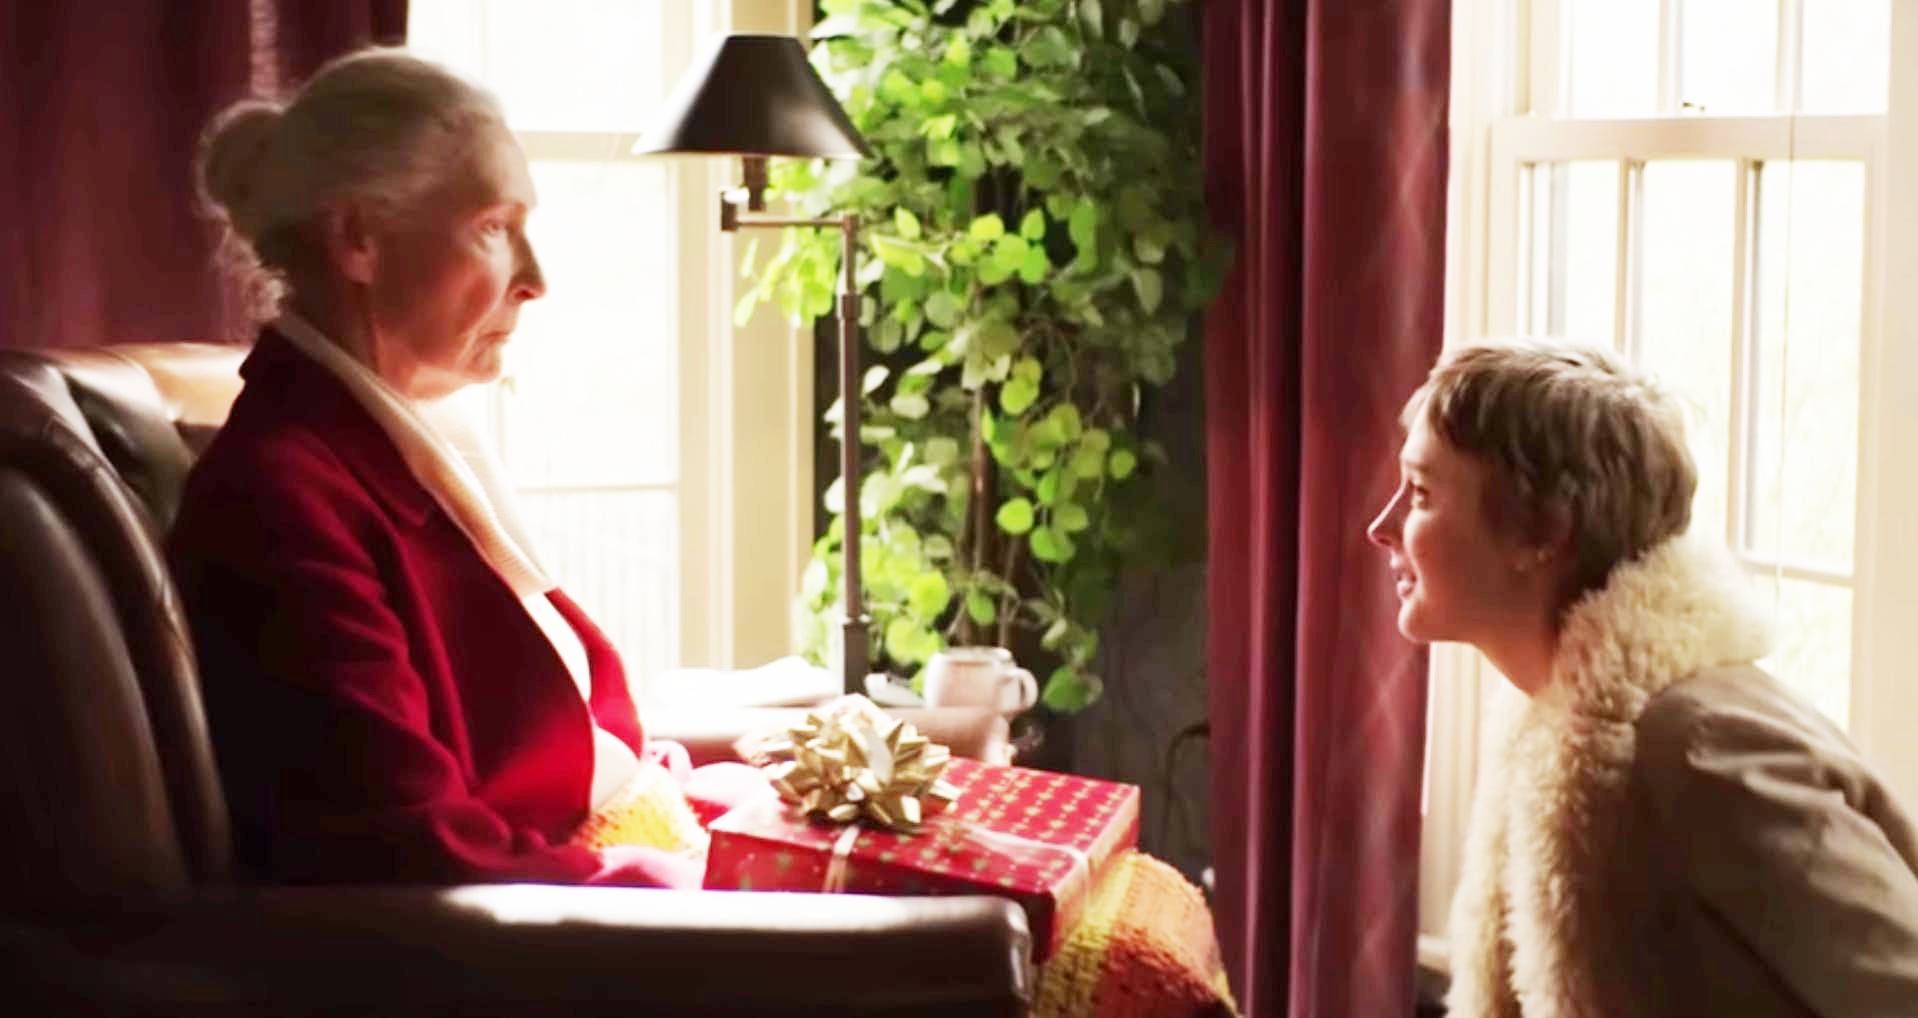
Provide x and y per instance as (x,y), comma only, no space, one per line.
(616,553)
(594,363)
(1572,289)
(1810,276)
(556,65)
(1684,321)
(1813,655)
(1612,46)
(1846,49)
(588,425)
(1728,56)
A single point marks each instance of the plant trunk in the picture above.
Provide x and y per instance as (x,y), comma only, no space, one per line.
(1009,605)
(980,502)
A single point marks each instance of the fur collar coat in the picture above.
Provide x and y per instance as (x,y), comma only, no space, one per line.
(1665,830)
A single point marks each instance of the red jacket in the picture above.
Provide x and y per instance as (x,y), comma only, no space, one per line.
(382,707)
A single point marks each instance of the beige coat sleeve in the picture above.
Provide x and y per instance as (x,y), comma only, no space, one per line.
(1787,836)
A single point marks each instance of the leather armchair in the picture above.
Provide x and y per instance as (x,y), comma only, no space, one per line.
(116,888)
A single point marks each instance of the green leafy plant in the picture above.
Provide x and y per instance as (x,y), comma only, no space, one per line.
(1034,254)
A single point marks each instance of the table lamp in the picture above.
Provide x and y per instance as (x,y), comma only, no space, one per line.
(756,96)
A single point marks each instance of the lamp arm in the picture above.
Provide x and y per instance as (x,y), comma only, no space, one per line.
(855,654)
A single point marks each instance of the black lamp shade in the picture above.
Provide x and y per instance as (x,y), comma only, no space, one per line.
(753,95)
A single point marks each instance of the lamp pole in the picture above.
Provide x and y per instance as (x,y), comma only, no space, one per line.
(854,623)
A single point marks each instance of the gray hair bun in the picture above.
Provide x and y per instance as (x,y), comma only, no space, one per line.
(233,153)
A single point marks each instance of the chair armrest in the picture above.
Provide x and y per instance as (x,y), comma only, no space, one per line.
(536,949)
(709,735)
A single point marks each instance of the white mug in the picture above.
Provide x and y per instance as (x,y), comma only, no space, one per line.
(979,677)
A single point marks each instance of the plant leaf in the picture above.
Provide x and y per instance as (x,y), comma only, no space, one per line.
(982,608)
(996,338)
(1068,691)
(1015,517)
(942,309)
(1050,47)
(1147,248)
(972,161)
(929,594)
(1093,16)
(1122,463)
(911,406)
(1042,172)
(1084,224)
(1047,491)
(1033,268)
(1009,252)
(1016,395)
(1150,287)
(1045,545)
(1069,422)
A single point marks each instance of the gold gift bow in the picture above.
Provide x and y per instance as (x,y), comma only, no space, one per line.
(851,761)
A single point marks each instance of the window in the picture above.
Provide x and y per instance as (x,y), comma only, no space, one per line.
(1702,185)
(633,418)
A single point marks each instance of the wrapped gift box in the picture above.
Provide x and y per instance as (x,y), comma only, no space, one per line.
(1039,838)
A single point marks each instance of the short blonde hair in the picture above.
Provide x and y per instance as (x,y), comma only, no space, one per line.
(380,126)
(1570,428)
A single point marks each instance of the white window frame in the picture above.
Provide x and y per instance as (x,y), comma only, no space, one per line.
(744,484)
(746,424)
(1491,140)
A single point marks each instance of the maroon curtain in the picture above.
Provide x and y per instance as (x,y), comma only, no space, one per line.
(101,105)
(1325,158)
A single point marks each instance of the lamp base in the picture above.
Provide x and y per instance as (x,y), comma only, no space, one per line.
(852,651)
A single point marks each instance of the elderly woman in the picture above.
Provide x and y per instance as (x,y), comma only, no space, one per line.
(1664,830)
(397,691)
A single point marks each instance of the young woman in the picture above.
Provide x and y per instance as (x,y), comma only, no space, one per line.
(1664,829)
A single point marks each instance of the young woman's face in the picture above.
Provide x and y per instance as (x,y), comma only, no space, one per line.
(1460,577)
(453,272)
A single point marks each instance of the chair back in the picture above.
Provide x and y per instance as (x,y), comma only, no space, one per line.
(106,769)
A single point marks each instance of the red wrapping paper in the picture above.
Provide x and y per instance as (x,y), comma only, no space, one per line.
(1038,838)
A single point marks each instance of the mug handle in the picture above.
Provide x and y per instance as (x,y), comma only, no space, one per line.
(1028,691)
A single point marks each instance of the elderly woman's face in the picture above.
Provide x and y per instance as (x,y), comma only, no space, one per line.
(454,271)
(1460,578)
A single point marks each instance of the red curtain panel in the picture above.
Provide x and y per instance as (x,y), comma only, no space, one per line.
(1325,160)
(101,106)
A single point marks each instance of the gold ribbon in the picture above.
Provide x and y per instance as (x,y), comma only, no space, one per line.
(851,762)
(1078,876)
(837,869)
